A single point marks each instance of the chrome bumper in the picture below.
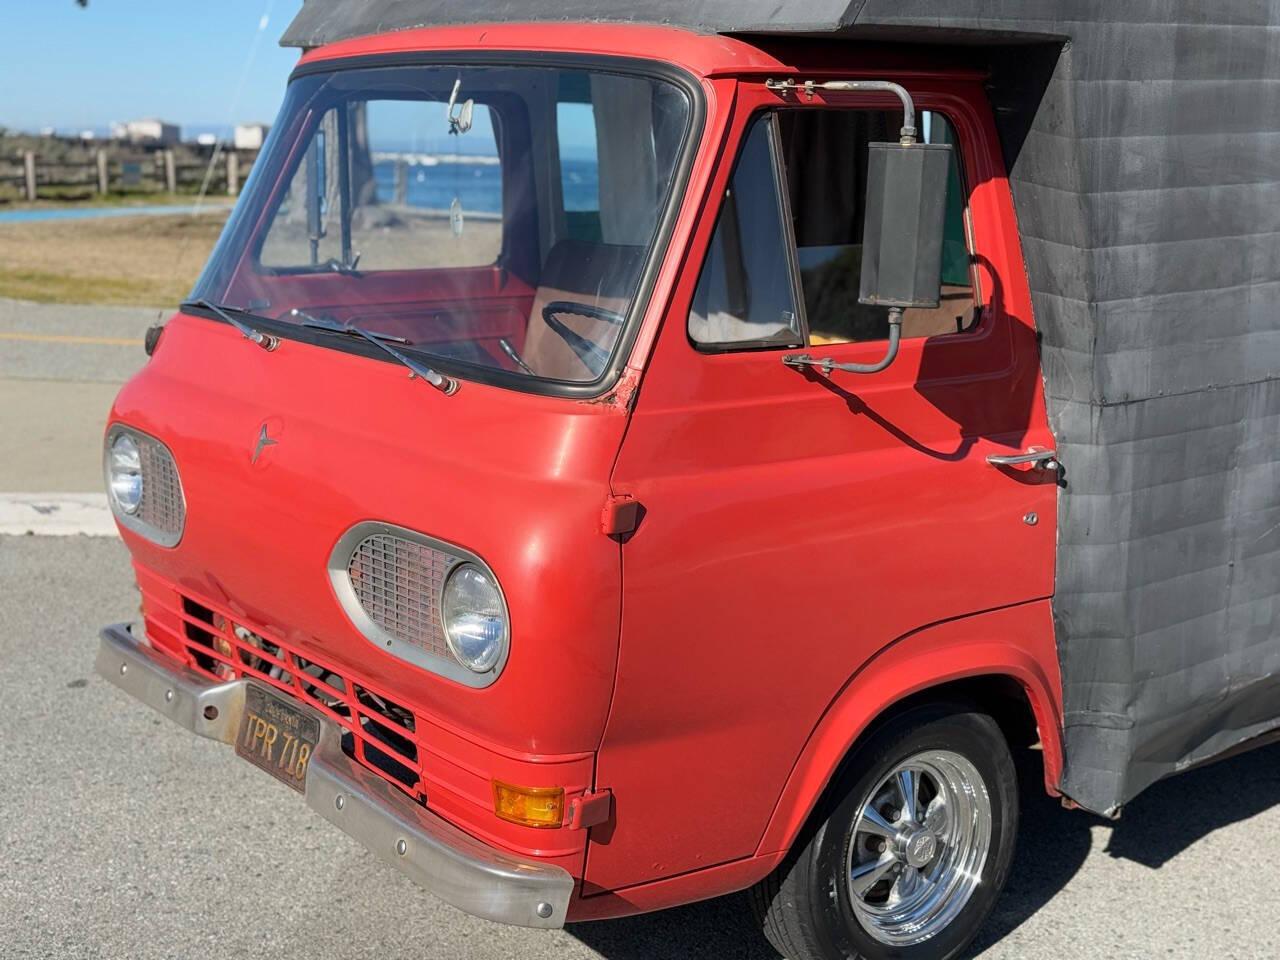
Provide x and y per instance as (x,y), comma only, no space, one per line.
(454,866)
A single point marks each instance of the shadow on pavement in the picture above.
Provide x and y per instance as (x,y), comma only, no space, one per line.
(721,929)
(1176,813)
(1054,845)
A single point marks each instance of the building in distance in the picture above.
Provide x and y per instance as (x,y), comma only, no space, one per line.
(148,131)
(249,136)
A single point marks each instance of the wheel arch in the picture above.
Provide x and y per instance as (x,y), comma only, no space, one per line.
(1004,661)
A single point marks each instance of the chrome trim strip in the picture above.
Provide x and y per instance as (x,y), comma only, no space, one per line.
(457,868)
(339,563)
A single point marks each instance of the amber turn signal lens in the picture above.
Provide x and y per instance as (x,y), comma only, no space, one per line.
(529,806)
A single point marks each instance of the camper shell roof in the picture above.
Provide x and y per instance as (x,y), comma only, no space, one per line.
(328,21)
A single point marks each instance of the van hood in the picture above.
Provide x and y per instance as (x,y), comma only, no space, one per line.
(516,479)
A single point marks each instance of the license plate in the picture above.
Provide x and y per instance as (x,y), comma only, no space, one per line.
(277,736)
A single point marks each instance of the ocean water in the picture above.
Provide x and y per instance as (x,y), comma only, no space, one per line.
(95,213)
(479,185)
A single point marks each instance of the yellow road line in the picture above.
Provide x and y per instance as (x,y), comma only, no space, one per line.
(62,338)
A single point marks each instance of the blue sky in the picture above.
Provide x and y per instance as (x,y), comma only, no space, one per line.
(203,64)
(181,60)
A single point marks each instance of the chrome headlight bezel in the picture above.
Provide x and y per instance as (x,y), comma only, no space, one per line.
(141,519)
(444,663)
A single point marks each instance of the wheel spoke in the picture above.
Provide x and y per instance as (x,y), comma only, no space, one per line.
(871,822)
(898,889)
(935,818)
(866,875)
(908,885)
(908,785)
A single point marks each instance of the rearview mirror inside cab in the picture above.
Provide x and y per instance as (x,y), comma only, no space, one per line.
(903,226)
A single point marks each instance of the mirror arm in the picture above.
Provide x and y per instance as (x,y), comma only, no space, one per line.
(826,365)
(908,135)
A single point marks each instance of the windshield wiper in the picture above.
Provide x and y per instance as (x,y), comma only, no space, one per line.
(328,323)
(417,370)
(265,340)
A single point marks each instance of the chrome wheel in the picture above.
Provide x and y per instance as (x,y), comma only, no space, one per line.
(920,841)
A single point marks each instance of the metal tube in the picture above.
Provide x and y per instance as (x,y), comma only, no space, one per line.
(826,366)
(344,181)
(908,134)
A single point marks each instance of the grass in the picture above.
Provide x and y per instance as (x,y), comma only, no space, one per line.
(57,198)
(133,261)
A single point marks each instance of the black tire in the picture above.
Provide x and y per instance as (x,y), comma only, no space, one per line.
(804,906)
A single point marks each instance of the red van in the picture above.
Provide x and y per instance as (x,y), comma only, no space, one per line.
(604,466)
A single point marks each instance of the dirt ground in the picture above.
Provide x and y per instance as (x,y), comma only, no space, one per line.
(131,261)
(155,260)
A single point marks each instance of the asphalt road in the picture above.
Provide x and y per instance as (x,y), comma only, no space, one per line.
(123,836)
(60,368)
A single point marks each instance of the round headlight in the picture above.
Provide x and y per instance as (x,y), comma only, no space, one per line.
(124,473)
(475,619)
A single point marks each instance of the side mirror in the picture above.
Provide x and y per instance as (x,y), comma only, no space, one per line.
(459,115)
(902,225)
(902,228)
(460,122)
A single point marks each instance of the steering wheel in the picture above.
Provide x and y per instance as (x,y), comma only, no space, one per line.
(593,356)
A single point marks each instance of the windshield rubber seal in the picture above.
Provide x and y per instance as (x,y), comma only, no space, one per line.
(657,255)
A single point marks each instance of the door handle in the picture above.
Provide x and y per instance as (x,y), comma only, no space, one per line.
(1043,459)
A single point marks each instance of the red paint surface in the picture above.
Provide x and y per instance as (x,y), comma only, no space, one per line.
(796,526)
(808,552)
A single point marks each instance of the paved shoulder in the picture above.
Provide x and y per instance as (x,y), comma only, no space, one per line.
(56,515)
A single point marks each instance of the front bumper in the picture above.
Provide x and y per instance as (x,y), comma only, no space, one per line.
(453,865)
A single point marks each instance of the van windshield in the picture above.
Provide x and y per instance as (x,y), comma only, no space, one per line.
(496,219)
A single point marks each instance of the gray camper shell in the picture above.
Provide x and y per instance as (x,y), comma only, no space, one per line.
(1143,144)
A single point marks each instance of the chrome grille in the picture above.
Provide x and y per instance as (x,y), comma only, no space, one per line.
(398,582)
(379,733)
(162,505)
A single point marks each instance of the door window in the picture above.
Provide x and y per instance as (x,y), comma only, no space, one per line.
(826,174)
(579,168)
(746,293)
(823,154)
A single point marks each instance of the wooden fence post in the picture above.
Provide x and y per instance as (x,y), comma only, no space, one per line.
(402,182)
(29,171)
(102,172)
(170,173)
(233,173)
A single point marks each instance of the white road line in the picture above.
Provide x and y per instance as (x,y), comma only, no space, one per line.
(56,515)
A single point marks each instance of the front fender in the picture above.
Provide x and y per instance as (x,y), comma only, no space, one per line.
(1016,642)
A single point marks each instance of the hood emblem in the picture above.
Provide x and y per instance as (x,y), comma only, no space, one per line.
(264,441)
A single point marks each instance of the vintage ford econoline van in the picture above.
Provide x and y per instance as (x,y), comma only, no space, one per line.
(606,465)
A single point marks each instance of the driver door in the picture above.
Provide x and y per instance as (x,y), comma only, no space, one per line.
(794,525)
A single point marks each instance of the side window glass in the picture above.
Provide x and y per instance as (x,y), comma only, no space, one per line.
(412,196)
(826,157)
(579,169)
(745,293)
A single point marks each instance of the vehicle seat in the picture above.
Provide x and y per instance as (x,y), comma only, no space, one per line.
(953,314)
(601,275)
